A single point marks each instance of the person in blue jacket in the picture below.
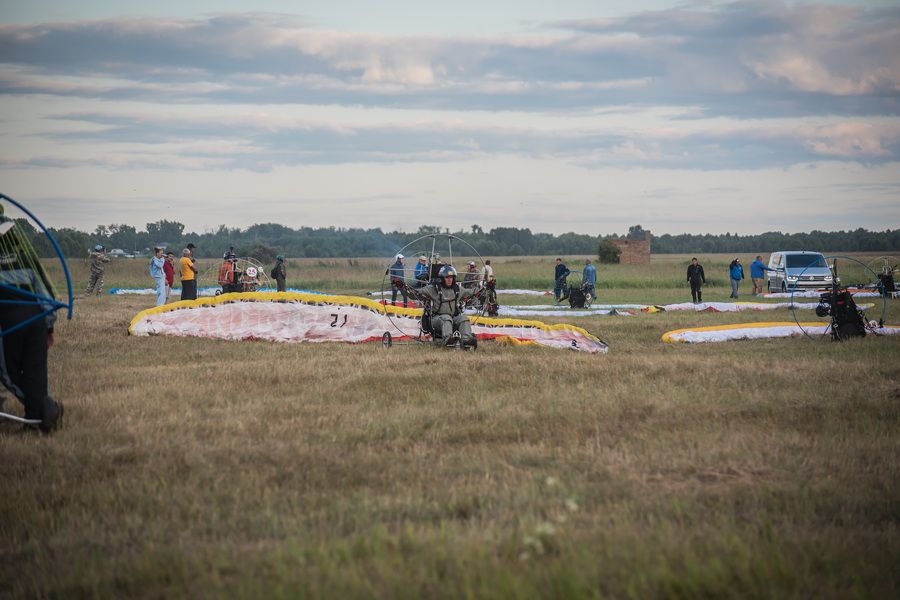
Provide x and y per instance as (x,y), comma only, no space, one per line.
(758,274)
(559,278)
(421,272)
(736,272)
(589,278)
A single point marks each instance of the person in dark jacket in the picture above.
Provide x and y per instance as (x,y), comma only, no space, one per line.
(696,277)
(279,273)
(27,338)
(446,301)
(397,273)
(559,277)
(736,273)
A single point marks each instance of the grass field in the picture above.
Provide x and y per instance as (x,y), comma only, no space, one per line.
(198,468)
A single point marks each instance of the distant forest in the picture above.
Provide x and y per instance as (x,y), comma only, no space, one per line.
(264,240)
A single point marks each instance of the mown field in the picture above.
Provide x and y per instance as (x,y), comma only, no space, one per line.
(202,468)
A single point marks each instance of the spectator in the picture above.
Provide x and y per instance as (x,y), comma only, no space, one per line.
(98,267)
(487,273)
(758,274)
(559,277)
(696,277)
(420,274)
(228,274)
(736,272)
(188,275)
(159,276)
(169,270)
(589,278)
(279,273)
(472,278)
(397,273)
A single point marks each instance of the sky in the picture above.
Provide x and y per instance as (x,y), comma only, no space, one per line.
(584,116)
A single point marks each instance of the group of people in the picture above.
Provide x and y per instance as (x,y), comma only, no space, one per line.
(426,272)
(696,277)
(561,274)
(162,270)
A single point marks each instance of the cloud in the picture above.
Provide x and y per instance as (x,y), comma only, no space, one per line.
(261,142)
(744,59)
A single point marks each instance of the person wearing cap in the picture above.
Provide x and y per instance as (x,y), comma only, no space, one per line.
(446,301)
(98,267)
(421,271)
(397,273)
(736,273)
(472,278)
(159,275)
(169,270)
(279,273)
(188,275)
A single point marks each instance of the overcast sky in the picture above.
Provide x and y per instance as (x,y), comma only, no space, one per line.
(566,116)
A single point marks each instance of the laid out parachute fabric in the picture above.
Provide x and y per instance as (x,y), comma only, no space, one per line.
(208,291)
(756,331)
(295,317)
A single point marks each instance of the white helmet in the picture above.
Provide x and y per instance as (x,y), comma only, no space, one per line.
(399,256)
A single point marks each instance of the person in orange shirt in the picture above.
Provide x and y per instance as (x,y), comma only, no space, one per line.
(188,276)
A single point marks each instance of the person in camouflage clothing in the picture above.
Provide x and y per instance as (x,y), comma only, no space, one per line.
(98,266)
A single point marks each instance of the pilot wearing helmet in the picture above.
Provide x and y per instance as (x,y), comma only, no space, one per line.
(447,300)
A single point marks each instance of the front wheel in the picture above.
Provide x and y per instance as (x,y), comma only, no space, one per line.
(783,288)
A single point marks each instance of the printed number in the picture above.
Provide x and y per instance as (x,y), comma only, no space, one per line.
(336,317)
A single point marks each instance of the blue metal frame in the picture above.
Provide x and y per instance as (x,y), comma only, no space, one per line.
(53,302)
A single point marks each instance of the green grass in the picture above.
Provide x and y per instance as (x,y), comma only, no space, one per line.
(195,467)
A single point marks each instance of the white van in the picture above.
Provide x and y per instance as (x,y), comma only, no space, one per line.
(798,269)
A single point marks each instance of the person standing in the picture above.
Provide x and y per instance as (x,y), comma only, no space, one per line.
(757,274)
(159,275)
(169,270)
(736,273)
(696,277)
(188,275)
(589,278)
(98,267)
(487,273)
(279,273)
(559,277)
(397,273)
(472,278)
(420,273)
(23,352)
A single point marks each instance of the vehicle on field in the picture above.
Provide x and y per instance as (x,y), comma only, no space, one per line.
(796,269)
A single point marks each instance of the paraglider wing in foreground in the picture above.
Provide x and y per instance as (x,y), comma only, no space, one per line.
(295,317)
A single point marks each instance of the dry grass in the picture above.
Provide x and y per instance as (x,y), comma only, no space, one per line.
(207,468)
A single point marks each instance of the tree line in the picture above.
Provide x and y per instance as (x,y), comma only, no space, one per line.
(264,240)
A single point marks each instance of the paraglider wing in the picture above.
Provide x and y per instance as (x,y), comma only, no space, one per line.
(298,317)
